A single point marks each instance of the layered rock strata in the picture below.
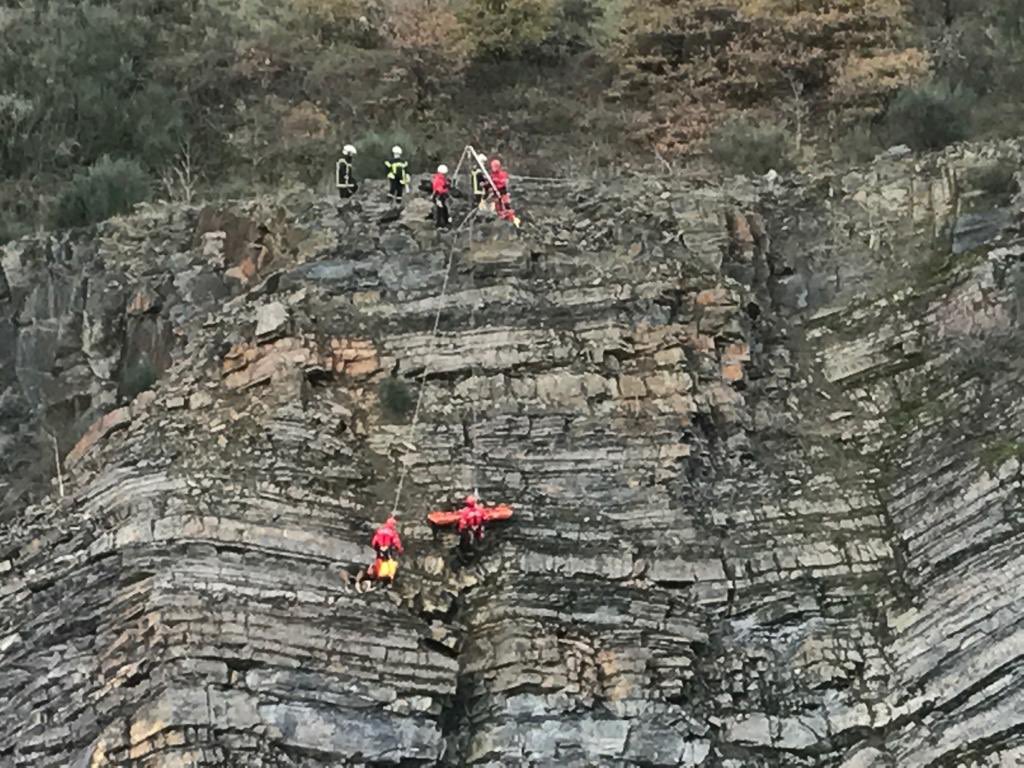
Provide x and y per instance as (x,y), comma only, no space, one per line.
(761,440)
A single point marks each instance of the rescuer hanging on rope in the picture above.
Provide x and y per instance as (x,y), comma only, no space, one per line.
(440,189)
(471,522)
(344,173)
(398,175)
(388,545)
(502,200)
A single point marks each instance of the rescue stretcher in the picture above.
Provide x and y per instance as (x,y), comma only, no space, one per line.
(491,514)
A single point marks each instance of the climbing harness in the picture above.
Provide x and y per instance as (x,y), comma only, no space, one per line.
(385,569)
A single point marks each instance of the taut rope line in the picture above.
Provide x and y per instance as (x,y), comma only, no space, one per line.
(433,336)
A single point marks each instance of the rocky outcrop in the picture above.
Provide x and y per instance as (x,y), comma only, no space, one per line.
(761,440)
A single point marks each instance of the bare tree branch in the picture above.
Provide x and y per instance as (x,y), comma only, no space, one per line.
(181,179)
(668,166)
(56,460)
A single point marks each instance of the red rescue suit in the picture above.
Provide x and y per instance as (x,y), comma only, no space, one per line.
(387,544)
(441,188)
(440,185)
(471,520)
(502,202)
(386,538)
(500,178)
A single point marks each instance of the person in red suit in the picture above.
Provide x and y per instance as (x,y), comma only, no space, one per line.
(503,201)
(386,543)
(471,521)
(387,539)
(441,188)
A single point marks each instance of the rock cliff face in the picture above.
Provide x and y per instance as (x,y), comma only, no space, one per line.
(764,446)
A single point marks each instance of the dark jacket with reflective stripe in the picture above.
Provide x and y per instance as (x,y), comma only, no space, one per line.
(345,176)
(480,184)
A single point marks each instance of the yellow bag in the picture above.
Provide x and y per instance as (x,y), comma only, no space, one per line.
(387,569)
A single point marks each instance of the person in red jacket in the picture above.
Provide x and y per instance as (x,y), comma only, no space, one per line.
(471,521)
(387,539)
(503,201)
(386,543)
(440,188)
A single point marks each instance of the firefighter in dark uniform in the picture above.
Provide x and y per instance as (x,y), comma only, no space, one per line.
(480,183)
(344,173)
(398,175)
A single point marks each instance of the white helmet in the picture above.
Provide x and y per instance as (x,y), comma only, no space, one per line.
(442,168)
(481,157)
(348,149)
(396,151)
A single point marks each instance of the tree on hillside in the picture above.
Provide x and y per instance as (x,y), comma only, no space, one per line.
(329,21)
(979,45)
(695,60)
(506,29)
(78,84)
(500,30)
(977,49)
(434,48)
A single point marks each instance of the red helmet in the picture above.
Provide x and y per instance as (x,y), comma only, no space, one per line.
(495,165)
(471,501)
(391,522)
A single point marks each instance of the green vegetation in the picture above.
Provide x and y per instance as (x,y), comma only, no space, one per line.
(745,146)
(375,146)
(699,61)
(996,454)
(107,188)
(940,264)
(978,48)
(265,93)
(860,143)
(136,377)
(909,412)
(997,178)
(930,116)
(396,398)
